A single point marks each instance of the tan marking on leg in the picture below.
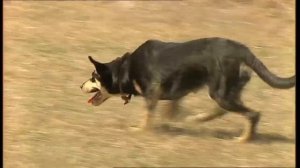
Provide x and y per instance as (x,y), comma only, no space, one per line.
(250,128)
(137,87)
(218,112)
(247,133)
(148,121)
(209,97)
(171,110)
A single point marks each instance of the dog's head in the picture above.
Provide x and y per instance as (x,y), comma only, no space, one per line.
(98,83)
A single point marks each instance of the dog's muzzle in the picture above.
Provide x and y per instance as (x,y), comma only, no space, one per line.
(99,97)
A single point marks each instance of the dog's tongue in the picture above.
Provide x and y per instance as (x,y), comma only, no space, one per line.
(92,98)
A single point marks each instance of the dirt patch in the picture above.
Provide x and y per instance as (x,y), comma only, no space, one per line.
(47,122)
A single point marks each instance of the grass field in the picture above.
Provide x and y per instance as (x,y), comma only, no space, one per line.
(48,123)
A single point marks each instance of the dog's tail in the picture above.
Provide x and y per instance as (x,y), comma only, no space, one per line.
(267,76)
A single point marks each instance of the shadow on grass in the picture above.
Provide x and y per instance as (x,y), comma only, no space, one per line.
(260,138)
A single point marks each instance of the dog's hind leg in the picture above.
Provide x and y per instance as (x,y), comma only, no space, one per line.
(250,129)
(216,87)
(234,95)
(252,117)
(237,86)
(227,95)
(220,91)
(235,105)
(218,112)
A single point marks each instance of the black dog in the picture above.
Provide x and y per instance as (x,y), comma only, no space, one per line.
(160,70)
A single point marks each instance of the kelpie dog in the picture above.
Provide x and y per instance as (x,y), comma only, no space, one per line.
(160,70)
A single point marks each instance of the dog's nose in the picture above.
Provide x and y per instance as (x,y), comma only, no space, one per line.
(80,86)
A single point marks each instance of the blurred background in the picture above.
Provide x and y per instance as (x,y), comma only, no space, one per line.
(48,122)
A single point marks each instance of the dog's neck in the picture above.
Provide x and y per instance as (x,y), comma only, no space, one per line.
(121,81)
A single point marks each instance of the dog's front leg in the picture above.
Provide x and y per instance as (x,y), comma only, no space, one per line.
(149,117)
(152,96)
(172,110)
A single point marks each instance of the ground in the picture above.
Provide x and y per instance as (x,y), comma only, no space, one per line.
(48,122)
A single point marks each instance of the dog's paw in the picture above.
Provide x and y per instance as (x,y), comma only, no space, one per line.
(139,128)
(196,118)
(190,119)
(241,139)
(135,129)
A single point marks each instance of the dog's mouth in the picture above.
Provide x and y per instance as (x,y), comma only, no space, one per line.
(96,96)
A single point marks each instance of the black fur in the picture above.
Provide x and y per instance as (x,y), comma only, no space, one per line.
(180,68)
(169,71)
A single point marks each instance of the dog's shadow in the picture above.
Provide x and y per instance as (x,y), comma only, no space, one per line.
(261,138)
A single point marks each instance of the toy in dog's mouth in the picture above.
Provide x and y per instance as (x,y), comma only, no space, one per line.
(98,98)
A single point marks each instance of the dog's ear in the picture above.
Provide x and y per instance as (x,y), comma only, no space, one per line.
(99,66)
(127,54)
(92,60)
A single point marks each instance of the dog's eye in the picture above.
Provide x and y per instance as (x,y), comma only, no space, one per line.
(92,79)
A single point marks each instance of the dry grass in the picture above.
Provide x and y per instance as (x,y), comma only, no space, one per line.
(47,122)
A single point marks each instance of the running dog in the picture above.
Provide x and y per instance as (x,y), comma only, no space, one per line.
(159,70)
